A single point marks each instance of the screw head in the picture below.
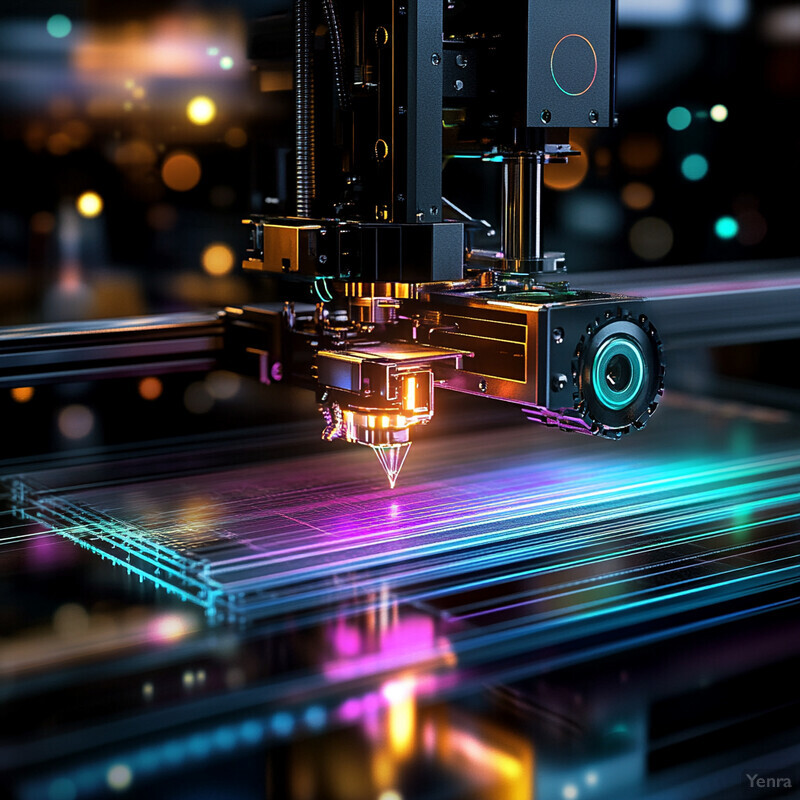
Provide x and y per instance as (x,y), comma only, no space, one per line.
(594,117)
(483,386)
(462,61)
(436,59)
(459,85)
(323,259)
(559,383)
(558,335)
(546,116)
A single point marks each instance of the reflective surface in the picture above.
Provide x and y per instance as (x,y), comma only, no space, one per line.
(514,620)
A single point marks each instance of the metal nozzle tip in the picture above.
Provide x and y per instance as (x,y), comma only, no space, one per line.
(392,458)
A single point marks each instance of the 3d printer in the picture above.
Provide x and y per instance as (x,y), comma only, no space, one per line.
(401,301)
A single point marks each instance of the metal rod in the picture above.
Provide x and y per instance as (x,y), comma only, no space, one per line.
(522,202)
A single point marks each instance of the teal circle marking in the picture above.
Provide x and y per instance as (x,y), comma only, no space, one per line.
(619,359)
(553,67)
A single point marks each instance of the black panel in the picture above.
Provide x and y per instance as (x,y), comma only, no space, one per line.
(571,63)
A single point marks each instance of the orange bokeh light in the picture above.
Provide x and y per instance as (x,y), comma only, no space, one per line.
(181,172)
(150,388)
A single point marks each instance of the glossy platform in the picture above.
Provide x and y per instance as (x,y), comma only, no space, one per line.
(242,599)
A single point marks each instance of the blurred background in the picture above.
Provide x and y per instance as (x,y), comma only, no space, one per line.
(137,136)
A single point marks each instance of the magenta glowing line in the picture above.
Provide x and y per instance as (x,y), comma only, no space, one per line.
(553,71)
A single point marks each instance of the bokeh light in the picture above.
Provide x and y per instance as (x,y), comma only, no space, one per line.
(679,118)
(640,153)
(170,627)
(752,228)
(719,113)
(22,394)
(119,777)
(235,137)
(181,171)
(694,167)
(59,26)
(162,217)
(226,62)
(75,422)
(70,621)
(197,399)
(201,110)
(726,228)
(78,132)
(62,789)
(223,385)
(59,144)
(564,177)
(135,154)
(150,388)
(89,205)
(218,259)
(651,238)
(42,223)
(638,196)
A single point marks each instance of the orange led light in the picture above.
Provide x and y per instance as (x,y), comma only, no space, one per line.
(411,394)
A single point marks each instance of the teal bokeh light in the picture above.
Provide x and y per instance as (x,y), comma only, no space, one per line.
(59,26)
(679,118)
(726,227)
(694,167)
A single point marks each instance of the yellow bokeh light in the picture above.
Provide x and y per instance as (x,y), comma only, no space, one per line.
(719,113)
(181,172)
(90,205)
(201,110)
(218,259)
(22,394)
